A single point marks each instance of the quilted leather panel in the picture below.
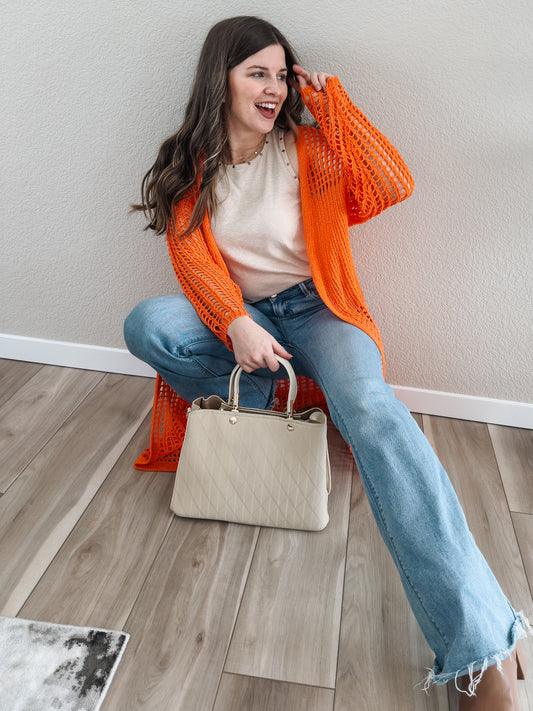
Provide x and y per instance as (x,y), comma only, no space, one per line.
(252,468)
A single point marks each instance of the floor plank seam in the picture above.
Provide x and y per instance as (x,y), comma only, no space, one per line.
(236,617)
(508,504)
(64,542)
(21,384)
(53,434)
(522,557)
(241,597)
(148,574)
(498,465)
(354,473)
(280,681)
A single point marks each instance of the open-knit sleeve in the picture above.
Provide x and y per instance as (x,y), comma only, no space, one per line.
(202,274)
(375,174)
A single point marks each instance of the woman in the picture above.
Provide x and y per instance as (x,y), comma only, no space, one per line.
(256,209)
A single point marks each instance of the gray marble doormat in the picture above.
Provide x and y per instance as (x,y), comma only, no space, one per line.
(45,666)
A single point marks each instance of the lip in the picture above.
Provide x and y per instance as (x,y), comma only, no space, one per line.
(269,111)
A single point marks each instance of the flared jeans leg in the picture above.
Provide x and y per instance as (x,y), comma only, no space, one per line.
(456,599)
(454,595)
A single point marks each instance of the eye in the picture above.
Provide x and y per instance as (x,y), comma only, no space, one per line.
(257,74)
(282,77)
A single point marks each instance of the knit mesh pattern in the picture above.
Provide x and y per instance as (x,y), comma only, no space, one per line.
(169,419)
(373,171)
(202,274)
(349,172)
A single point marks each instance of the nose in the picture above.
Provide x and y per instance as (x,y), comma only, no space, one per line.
(272,86)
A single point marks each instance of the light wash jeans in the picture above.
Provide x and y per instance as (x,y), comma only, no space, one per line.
(458,603)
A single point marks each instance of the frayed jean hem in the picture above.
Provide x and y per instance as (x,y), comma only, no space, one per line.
(475,670)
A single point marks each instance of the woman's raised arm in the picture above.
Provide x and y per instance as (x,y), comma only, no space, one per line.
(376,175)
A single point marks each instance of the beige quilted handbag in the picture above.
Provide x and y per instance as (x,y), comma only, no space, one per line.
(251,466)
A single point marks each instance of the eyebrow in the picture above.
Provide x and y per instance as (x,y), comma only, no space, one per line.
(256,66)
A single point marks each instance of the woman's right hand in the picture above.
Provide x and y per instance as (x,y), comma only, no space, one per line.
(317,80)
(253,346)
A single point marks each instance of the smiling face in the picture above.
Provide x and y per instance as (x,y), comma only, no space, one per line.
(257,90)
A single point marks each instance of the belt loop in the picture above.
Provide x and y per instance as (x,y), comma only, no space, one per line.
(304,288)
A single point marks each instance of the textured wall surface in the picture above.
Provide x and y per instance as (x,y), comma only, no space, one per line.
(92,89)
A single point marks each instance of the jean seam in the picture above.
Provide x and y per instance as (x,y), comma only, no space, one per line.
(283,317)
(519,630)
(193,342)
(198,360)
(308,289)
(380,509)
(375,497)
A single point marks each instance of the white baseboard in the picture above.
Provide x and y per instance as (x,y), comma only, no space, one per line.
(119,360)
(466,407)
(72,355)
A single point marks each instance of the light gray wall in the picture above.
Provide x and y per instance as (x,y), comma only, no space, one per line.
(93,87)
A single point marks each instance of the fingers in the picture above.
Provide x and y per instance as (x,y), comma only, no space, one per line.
(262,358)
(271,362)
(266,359)
(279,350)
(302,76)
(253,346)
(317,80)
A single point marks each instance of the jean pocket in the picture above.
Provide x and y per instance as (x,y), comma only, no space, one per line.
(205,359)
(308,302)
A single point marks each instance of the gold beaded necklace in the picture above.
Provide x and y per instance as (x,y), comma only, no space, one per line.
(251,154)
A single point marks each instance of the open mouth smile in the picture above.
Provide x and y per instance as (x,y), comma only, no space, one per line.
(267,109)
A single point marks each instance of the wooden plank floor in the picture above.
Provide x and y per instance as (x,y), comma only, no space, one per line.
(225,617)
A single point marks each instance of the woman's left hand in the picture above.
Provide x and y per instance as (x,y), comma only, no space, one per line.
(318,80)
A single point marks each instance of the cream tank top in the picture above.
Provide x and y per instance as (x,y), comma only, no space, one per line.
(258,222)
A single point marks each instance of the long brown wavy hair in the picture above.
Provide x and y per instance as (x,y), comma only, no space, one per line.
(188,161)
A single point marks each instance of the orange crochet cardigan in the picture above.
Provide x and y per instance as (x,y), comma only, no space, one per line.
(349,172)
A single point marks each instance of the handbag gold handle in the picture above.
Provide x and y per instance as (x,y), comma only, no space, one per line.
(233,397)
